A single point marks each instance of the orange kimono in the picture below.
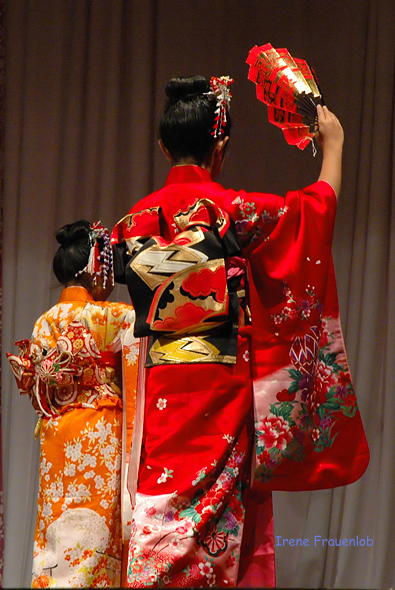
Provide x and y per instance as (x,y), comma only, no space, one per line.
(72,371)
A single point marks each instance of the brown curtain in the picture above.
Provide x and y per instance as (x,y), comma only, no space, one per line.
(84,88)
(2,87)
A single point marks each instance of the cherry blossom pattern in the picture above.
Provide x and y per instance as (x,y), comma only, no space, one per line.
(206,568)
(132,353)
(92,467)
(89,477)
(162,403)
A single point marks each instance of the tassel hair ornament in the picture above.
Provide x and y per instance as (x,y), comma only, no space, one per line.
(220,87)
(100,261)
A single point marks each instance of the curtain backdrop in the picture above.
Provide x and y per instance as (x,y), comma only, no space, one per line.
(84,88)
(2,88)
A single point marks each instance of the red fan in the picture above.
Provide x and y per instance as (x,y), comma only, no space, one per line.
(289,88)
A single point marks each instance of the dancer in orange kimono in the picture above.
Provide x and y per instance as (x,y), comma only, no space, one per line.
(244,386)
(72,371)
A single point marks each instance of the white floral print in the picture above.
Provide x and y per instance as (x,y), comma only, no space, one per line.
(167,473)
(162,403)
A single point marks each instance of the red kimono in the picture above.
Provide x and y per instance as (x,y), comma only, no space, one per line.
(244,386)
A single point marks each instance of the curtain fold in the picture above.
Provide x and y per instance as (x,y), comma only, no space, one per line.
(2,88)
(84,88)
(363,249)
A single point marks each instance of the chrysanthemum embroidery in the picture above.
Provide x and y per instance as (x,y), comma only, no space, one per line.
(215,542)
(162,403)
(167,473)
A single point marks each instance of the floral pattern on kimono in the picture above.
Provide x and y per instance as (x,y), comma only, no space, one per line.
(189,541)
(299,415)
(71,372)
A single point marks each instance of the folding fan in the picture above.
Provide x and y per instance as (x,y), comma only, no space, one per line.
(289,88)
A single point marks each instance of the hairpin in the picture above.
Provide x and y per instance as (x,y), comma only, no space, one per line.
(220,87)
(99,262)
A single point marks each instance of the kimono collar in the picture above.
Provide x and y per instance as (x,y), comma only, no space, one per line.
(75,294)
(181,174)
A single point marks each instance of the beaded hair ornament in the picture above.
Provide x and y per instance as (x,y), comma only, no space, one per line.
(100,263)
(220,87)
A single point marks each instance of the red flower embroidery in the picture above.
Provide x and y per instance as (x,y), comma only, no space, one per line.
(236,508)
(285,396)
(344,379)
(230,562)
(264,458)
(150,511)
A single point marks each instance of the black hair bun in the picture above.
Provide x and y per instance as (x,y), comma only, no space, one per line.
(73,233)
(181,88)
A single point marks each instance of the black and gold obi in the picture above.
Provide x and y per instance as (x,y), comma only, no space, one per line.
(186,293)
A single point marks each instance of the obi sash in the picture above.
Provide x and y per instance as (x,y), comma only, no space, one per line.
(186,291)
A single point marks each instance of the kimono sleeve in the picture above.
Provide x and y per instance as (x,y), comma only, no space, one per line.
(256,215)
(308,429)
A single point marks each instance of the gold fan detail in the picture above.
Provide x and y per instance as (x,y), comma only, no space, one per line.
(289,88)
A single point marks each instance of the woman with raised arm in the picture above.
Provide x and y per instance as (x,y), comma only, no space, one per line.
(72,371)
(244,386)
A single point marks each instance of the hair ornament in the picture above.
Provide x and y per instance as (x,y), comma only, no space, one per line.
(220,87)
(100,262)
